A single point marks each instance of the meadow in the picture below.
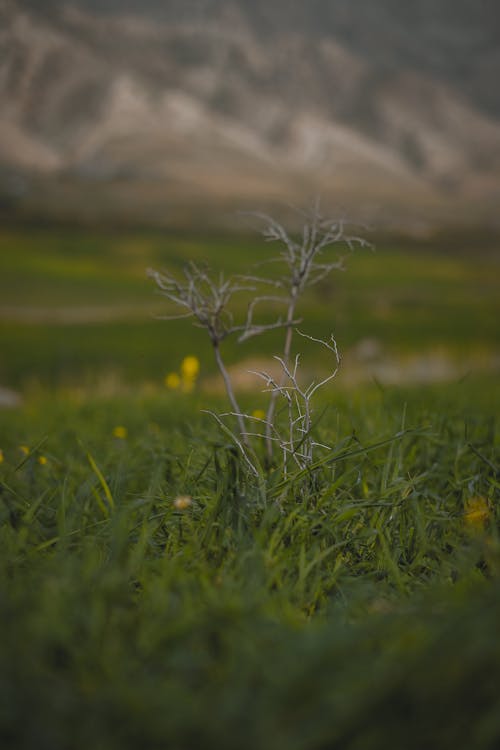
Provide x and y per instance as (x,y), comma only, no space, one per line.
(77,303)
(155,593)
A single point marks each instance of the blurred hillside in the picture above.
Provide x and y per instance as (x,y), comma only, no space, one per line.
(159,111)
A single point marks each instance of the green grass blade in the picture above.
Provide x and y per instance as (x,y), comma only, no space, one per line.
(102,481)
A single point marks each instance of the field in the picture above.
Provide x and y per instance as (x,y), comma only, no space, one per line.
(76,304)
(156,593)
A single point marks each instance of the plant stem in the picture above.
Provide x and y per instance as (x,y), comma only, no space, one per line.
(230,392)
(286,358)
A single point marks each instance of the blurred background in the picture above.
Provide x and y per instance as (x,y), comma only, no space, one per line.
(132,132)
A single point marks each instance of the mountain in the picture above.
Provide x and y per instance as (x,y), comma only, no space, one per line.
(159,110)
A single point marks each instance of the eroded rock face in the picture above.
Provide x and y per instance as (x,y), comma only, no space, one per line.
(223,97)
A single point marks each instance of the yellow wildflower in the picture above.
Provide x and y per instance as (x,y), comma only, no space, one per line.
(476,512)
(42,460)
(259,414)
(182,502)
(1,456)
(120,432)
(172,381)
(24,449)
(190,367)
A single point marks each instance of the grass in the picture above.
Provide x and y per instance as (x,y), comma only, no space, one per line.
(268,617)
(355,606)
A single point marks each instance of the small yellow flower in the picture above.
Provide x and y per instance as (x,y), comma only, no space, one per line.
(1,456)
(190,367)
(24,449)
(476,512)
(42,460)
(259,414)
(172,381)
(182,502)
(120,432)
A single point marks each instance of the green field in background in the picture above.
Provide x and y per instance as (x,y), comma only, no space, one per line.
(77,303)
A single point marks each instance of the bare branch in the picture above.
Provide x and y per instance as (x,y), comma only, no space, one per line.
(307,257)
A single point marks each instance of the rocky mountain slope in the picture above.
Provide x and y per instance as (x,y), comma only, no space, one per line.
(217,103)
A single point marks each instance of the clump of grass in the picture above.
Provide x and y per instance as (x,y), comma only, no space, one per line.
(163,617)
